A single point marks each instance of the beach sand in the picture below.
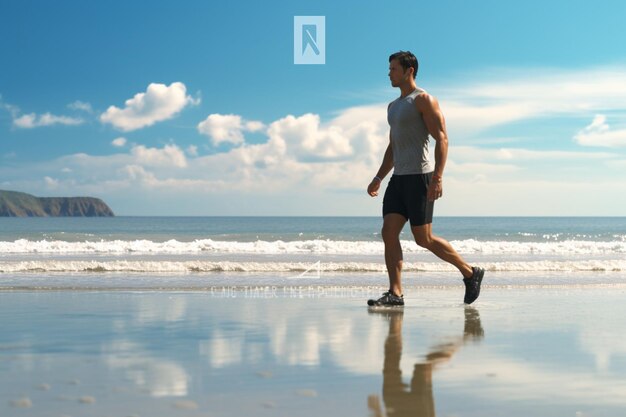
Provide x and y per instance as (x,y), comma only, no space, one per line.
(553,350)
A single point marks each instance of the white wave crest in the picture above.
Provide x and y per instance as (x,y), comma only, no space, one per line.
(469,246)
(178,267)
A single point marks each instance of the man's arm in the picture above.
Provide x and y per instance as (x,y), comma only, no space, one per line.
(436,125)
(384,169)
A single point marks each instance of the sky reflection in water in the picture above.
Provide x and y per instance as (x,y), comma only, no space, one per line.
(543,352)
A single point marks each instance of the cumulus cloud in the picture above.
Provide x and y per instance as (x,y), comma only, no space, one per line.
(348,147)
(304,137)
(599,133)
(119,142)
(168,156)
(32,120)
(159,102)
(301,151)
(137,173)
(306,155)
(227,128)
(308,140)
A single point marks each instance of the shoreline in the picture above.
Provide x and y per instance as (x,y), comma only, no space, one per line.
(236,281)
(303,291)
(535,351)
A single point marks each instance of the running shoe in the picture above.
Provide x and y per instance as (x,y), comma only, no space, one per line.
(472,285)
(388,299)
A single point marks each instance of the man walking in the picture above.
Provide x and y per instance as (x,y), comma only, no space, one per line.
(415,184)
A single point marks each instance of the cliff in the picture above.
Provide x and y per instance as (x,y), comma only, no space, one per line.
(15,204)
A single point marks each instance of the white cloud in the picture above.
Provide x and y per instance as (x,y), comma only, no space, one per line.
(80,105)
(137,173)
(497,98)
(31,120)
(278,165)
(561,90)
(227,128)
(158,103)
(308,140)
(192,150)
(169,156)
(312,166)
(119,142)
(254,126)
(12,109)
(464,118)
(477,154)
(599,133)
(479,168)
(51,182)
(617,164)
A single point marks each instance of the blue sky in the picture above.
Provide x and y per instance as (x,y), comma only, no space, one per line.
(196,107)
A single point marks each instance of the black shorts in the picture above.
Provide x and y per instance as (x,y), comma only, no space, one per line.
(408,195)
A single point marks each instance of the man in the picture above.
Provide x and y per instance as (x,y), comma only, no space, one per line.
(415,184)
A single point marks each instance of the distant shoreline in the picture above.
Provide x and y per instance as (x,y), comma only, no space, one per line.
(18,204)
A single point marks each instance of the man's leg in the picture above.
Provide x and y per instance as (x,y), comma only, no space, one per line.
(440,247)
(392,226)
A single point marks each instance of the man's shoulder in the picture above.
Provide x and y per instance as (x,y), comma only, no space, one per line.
(423,95)
(424,99)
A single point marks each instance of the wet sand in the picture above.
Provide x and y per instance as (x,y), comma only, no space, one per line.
(544,351)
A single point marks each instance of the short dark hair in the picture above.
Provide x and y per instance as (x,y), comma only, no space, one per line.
(406,59)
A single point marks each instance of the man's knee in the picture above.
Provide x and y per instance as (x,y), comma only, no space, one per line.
(423,238)
(390,234)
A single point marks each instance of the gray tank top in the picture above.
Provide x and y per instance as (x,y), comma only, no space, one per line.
(409,136)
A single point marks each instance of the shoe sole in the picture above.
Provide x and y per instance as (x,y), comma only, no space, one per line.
(373,303)
(374,307)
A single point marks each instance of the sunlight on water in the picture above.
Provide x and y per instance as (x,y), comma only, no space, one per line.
(539,352)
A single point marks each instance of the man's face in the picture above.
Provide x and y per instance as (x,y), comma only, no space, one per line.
(397,74)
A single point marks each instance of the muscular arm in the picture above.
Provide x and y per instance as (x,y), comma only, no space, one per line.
(436,125)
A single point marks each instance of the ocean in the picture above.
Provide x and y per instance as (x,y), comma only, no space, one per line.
(192,251)
(266,316)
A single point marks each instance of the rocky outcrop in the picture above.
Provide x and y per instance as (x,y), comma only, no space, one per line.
(16,204)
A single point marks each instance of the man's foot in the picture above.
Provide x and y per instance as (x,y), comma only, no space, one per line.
(472,285)
(388,299)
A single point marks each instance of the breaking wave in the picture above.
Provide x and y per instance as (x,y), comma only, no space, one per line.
(177,267)
(339,247)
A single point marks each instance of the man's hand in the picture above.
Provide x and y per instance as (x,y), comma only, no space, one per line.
(372,189)
(435,190)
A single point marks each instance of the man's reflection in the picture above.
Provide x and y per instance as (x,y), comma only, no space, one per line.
(417,399)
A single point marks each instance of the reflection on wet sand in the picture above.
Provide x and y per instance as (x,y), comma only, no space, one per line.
(416,399)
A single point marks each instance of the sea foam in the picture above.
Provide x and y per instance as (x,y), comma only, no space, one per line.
(177,267)
(319,246)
